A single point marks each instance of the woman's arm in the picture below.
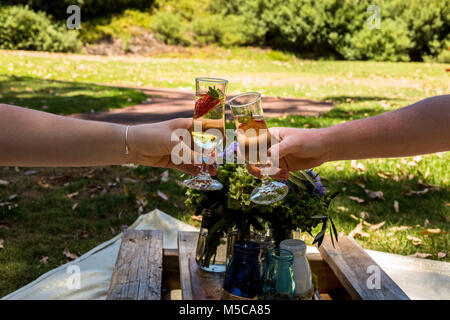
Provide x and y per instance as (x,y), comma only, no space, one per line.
(40,139)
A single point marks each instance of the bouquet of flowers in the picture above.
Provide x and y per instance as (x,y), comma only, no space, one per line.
(304,208)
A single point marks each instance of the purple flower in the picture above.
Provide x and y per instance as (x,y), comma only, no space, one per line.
(320,188)
(231,149)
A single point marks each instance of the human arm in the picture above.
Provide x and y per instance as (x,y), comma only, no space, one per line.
(40,139)
(421,128)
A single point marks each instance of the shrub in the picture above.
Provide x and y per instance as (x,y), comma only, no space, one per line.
(389,43)
(170,28)
(122,25)
(24,29)
(89,8)
(225,31)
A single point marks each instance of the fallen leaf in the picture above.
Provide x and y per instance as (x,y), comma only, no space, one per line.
(401,228)
(374,194)
(396,206)
(360,184)
(165,176)
(359,200)
(343,209)
(69,255)
(358,166)
(4,182)
(141,200)
(417,159)
(415,241)
(390,234)
(13,196)
(375,227)
(75,205)
(354,217)
(44,260)
(43,184)
(71,195)
(420,255)
(126,190)
(419,193)
(382,175)
(357,232)
(197,218)
(1,244)
(432,231)
(162,195)
(129,180)
(29,172)
(441,255)
(364,215)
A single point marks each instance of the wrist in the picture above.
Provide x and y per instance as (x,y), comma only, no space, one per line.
(329,142)
(128,144)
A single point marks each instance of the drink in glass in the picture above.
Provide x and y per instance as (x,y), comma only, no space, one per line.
(208,128)
(254,140)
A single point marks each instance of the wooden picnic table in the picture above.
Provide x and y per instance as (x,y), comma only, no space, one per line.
(146,271)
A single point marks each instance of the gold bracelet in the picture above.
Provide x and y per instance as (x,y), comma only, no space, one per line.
(127,150)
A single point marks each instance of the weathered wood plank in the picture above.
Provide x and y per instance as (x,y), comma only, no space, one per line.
(205,285)
(350,264)
(137,273)
(187,244)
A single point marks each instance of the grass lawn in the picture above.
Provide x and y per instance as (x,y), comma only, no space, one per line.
(79,208)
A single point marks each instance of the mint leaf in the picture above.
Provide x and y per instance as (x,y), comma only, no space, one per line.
(214,93)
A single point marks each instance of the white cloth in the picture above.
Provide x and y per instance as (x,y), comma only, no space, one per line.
(97,265)
(419,278)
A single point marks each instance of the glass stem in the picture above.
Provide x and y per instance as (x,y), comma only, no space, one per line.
(265,177)
(204,174)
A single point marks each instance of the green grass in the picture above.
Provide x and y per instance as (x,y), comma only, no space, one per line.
(44,223)
(63,97)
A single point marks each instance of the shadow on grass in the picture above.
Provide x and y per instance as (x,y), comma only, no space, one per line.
(63,97)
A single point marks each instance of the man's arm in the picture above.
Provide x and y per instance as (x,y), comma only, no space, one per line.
(423,127)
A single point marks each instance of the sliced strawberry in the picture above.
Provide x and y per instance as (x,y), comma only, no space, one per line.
(204,105)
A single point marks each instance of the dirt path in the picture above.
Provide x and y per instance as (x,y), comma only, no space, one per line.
(165,104)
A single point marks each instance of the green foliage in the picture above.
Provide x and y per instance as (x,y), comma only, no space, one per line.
(188,9)
(124,25)
(24,29)
(410,29)
(231,206)
(89,8)
(170,28)
(390,43)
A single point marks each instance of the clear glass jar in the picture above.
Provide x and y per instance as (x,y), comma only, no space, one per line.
(211,253)
(302,271)
(278,277)
(265,244)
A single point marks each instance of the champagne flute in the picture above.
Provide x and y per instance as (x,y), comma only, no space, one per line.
(208,128)
(254,140)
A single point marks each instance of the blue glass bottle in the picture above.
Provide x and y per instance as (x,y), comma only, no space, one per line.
(242,277)
(278,278)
